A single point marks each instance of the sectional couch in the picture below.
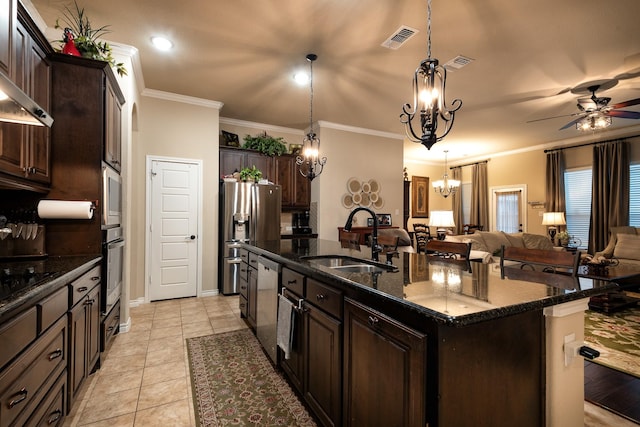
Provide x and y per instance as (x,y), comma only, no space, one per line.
(486,245)
(624,245)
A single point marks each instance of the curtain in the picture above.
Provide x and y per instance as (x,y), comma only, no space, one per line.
(479,213)
(609,194)
(456,201)
(555,182)
(508,211)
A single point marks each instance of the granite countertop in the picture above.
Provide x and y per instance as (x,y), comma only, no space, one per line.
(448,295)
(62,269)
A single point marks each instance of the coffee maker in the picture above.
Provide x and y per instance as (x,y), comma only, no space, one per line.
(300,223)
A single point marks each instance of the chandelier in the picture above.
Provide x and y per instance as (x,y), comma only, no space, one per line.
(446,186)
(593,122)
(311,144)
(429,91)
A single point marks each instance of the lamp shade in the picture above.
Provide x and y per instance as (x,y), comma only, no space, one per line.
(553,218)
(441,219)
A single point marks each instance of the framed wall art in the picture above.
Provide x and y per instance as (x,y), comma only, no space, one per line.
(230,139)
(420,197)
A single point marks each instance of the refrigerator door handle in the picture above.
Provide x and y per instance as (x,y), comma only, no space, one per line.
(234,260)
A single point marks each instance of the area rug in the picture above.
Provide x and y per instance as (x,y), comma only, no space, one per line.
(617,337)
(234,383)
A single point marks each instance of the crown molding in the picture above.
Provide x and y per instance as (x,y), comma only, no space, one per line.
(260,126)
(354,129)
(168,96)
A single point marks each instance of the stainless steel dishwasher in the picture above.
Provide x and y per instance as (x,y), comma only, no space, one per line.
(267,305)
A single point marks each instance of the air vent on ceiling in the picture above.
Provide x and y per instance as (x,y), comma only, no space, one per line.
(457,63)
(399,37)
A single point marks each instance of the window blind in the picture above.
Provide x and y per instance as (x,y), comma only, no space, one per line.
(634,195)
(577,184)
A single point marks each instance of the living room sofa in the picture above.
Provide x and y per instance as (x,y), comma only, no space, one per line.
(486,245)
(624,245)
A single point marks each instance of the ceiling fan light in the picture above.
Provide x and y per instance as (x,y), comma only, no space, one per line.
(593,123)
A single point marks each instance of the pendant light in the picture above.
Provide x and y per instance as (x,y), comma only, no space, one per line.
(429,92)
(446,186)
(311,145)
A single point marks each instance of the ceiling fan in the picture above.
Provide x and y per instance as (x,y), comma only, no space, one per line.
(595,112)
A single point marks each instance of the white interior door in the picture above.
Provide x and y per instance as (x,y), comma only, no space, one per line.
(174,230)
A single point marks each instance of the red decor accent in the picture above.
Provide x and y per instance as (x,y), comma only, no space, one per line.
(69,47)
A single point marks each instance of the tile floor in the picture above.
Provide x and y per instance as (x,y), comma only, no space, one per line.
(144,380)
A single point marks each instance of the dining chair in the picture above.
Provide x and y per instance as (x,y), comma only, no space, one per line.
(471,228)
(448,250)
(422,235)
(551,267)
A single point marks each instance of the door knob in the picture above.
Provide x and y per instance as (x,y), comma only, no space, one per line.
(192,237)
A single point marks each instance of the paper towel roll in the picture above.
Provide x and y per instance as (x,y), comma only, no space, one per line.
(64,209)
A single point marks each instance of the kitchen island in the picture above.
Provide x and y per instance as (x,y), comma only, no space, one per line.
(427,344)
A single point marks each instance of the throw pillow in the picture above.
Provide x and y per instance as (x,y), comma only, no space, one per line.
(477,242)
(515,239)
(627,247)
(536,241)
(494,240)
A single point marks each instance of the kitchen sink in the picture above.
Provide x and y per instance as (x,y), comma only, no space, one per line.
(347,264)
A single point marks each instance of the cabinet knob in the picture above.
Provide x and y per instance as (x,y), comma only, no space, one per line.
(320,297)
(82,289)
(373,320)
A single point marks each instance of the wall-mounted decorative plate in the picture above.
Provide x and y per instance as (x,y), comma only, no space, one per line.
(374,185)
(353,185)
(366,188)
(366,201)
(357,198)
(378,203)
(347,201)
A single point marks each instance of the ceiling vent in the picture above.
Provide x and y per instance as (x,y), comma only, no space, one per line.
(457,63)
(399,37)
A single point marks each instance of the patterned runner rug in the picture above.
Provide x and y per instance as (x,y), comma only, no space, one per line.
(234,383)
(617,337)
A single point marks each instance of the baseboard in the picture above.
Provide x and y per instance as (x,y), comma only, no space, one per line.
(210,293)
(125,327)
(136,302)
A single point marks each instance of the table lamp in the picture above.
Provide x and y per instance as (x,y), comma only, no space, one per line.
(441,220)
(552,219)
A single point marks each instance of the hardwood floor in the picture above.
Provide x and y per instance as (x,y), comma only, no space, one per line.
(611,389)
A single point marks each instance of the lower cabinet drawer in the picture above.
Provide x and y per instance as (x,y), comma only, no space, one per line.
(53,307)
(22,382)
(110,327)
(324,297)
(17,333)
(82,285)
(51,410)
(243,306)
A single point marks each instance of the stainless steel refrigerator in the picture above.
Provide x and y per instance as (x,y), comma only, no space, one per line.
(248,212)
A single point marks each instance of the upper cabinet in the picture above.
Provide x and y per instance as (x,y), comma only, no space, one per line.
(7,25)
(281,170)
(25,150)
(112,137)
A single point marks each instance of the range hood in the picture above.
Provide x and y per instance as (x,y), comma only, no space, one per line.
(17,107)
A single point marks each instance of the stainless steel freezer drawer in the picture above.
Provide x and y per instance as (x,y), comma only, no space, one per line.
(231,276)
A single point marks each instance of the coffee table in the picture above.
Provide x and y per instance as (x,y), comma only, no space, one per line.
(616,300)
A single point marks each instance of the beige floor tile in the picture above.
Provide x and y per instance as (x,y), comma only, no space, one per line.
(165,372)
(133,337)
(159,344)
(123,348)
(115,365)
(139,325)
(165,332)
(195,317)
(162,393)
(102,407)
(175,414)
(165,355)
(108,384)
(166,323)
(125,420)
(202,326)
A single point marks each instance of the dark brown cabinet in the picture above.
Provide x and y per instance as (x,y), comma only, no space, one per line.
(281,170)
(388,361)
(248,285)
(113,137)
(314,366)
(84,329)
(7,25)
(25,150)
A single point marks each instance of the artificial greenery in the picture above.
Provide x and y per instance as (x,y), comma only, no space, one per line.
(86,38)
(265,144)
(250,173)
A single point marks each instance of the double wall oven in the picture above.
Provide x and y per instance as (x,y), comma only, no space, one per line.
(112,252)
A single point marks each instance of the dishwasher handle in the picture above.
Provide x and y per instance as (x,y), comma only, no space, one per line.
(267,263)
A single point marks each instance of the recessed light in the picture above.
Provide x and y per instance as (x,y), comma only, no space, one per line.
(161,43)
(301,77)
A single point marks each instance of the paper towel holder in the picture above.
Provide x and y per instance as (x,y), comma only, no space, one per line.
(93,205)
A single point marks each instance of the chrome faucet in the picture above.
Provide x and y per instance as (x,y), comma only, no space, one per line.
(375,247)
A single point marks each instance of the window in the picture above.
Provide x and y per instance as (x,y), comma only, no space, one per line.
(577,184)
(507,206)
(634,195)
(465,191)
